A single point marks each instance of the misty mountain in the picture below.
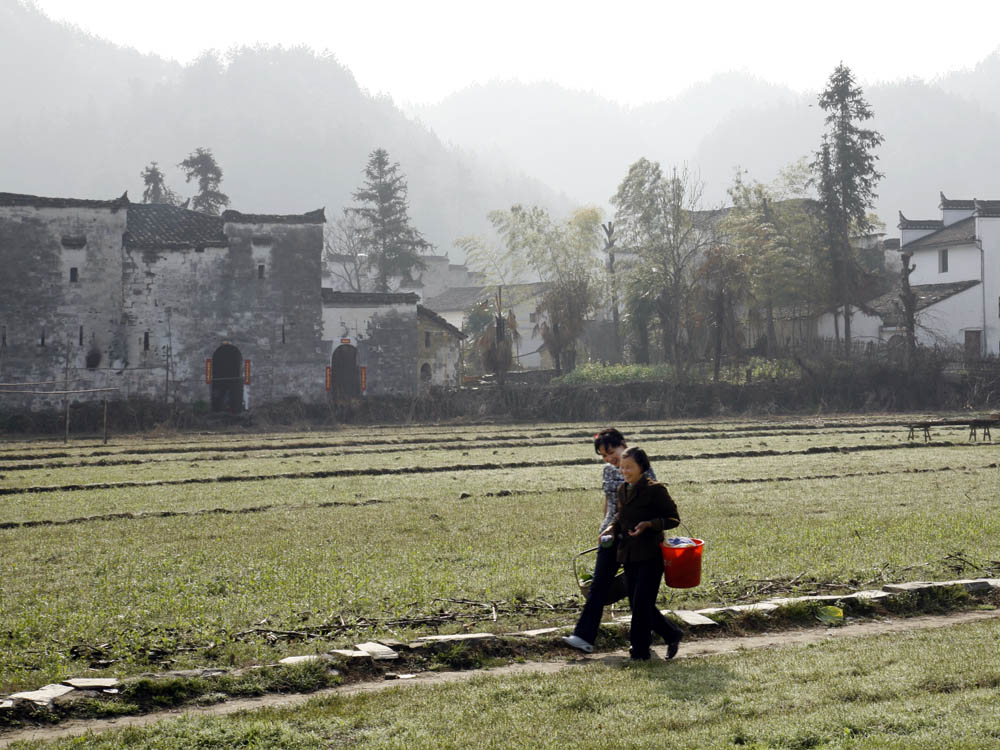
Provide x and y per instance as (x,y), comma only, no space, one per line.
(581,143)
(937,135)
(290,128)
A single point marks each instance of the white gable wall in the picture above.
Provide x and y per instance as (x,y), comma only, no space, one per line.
(945,323)
(988,231)
(963,265)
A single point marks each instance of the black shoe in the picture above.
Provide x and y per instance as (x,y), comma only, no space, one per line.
(634,656)
(673,646)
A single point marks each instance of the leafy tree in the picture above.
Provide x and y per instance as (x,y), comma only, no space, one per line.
(156,190)
(392,245)
(775,236)
(201,165)
(563,255)
(661,221)
(722,284)
(846,178)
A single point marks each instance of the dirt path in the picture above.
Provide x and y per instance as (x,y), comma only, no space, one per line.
(689,650)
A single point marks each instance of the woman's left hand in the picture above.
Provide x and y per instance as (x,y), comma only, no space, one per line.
(639,528)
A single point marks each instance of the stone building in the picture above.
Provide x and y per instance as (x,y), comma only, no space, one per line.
(163,302)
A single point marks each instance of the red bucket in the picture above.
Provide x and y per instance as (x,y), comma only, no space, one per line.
(682,565)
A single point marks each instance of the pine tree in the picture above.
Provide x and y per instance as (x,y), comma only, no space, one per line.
(156,190)
(846,178)
(393,246)
(201,165)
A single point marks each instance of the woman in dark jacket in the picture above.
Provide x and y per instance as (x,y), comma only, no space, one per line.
(645,509)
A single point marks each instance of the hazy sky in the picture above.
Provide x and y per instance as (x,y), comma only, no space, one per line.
(419,51)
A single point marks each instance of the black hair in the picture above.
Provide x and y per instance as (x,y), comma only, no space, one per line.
(639,456)
(608,438)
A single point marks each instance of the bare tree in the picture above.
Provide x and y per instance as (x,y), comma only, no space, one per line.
(344,253)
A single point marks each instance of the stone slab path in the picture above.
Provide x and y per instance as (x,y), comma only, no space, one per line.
(694,649)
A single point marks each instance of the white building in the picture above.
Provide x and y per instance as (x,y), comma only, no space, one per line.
(454,305)
(956,280)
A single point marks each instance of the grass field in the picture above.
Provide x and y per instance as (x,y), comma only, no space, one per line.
(175,551)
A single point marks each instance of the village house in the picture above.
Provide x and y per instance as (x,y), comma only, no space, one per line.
(955,278)
(162,302)
(530,352)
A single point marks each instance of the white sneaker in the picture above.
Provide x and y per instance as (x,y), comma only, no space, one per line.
(577,642)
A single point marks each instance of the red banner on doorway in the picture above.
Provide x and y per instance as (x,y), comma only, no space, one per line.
(364,379)
(246,372)
(329,378)
(208,371)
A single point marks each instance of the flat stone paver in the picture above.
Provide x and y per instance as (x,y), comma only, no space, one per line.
(377,650)
(689,617)
(538,631)
(303,659)
(44,696)
(758,607)
(349,653)
(92,683)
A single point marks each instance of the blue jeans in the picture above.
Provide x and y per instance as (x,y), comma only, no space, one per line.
(643,579)
(593,611)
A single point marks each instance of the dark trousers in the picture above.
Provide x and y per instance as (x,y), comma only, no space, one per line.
(604,574)
(643,580)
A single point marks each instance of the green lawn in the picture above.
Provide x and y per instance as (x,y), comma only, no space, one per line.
(925,690)
(342,556)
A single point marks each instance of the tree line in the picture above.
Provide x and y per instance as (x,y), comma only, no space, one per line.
(679,281)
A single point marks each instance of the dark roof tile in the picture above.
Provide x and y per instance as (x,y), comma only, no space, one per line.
(905,223)
(18,199)
(889,306)
(333,298)
(312,217)
(959,233)
(160,225)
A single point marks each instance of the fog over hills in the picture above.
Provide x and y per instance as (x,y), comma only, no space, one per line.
(937,134)
(292,130)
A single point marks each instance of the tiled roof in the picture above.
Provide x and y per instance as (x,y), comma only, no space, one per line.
(956,205)
(905,223)
(987,208)
(892,243)
(332,298)
(312,217)
(959,233)
(457,298)
(160,225)
(17,199)
(431,315)
(889,307)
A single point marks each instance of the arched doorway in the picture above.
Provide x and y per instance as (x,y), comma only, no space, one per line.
(344,374)
(425,373)
(227,379)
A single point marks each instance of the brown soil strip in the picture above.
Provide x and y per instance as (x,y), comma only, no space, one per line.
(324,474)
(689,650)
(499,493)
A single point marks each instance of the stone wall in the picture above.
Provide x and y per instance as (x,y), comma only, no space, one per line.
(60,294)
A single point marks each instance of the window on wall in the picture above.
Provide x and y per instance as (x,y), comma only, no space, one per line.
(282,333)
(145,341)
(943,261)
(80,339)
(260,271)
(42,340)
(3,336)
(74,275)
(427,339)
(532,317)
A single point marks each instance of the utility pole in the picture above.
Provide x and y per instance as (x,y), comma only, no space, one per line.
(609,249)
